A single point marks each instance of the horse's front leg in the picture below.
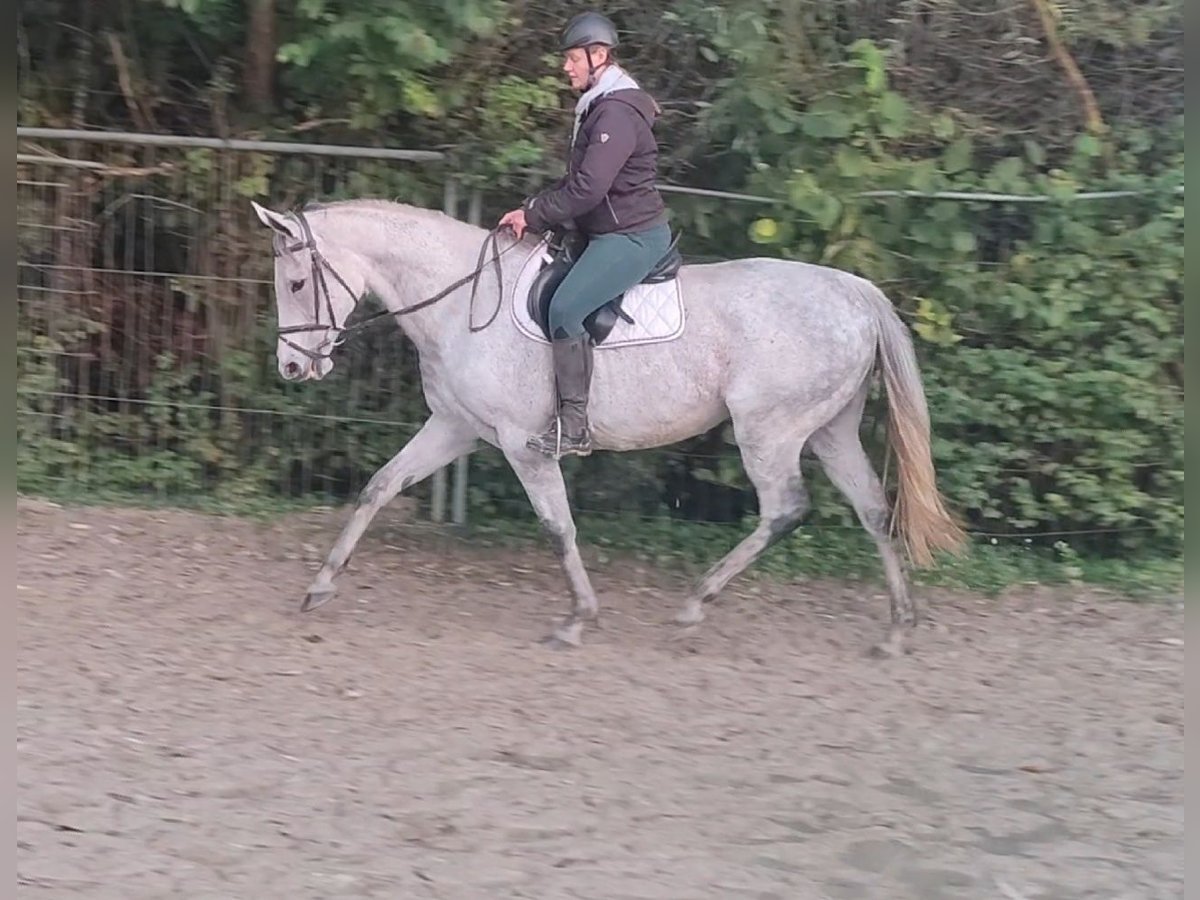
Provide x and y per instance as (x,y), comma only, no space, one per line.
(439,442)
(543,483)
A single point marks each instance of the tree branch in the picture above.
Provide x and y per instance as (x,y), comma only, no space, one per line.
(83,69)
(1091,110)
(258,71)
(141,118)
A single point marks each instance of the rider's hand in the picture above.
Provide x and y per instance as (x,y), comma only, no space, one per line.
(515,220)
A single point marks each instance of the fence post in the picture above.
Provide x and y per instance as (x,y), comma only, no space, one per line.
(437,502)
(458,509)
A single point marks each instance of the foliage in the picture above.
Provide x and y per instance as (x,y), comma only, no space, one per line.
(1050,332)
(1053,331)
(371,58)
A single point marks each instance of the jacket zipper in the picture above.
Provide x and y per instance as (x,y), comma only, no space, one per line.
(611,210)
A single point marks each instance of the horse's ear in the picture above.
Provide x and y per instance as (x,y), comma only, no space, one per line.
(275,221)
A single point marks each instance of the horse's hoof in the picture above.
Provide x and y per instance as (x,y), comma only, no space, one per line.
(567,636)
(893,646)
(317,596)
(690,615)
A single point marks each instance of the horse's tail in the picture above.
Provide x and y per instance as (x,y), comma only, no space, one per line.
(924,523)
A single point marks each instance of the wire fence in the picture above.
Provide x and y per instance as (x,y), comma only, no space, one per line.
(146,339)
(144,319)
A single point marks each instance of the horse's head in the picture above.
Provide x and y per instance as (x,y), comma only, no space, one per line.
(317,286)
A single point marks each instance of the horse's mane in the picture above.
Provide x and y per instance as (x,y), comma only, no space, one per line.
(371,203)
(382,205)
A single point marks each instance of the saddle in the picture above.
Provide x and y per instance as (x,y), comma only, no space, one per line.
(568,246)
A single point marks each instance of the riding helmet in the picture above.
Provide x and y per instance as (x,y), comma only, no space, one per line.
(588,28)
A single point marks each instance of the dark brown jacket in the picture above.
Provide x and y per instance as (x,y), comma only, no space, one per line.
(611,171)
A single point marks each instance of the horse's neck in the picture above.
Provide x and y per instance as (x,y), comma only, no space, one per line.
(411,258)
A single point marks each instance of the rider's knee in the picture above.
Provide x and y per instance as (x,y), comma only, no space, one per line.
(564,326)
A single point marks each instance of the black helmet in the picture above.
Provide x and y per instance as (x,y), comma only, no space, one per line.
(588,28)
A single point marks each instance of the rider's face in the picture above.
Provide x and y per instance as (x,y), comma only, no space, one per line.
(575,64)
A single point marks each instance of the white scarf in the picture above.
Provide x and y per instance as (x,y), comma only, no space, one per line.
(614,78)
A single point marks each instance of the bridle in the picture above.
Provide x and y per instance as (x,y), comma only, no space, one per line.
(321,287)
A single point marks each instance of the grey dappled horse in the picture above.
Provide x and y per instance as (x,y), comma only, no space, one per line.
(785,349)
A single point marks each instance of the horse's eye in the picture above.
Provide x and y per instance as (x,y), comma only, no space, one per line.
(297,285)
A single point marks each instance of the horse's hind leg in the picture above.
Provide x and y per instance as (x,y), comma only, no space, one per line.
(439,442)
(770,450)
(844,460)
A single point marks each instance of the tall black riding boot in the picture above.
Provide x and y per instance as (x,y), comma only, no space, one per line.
(568,434)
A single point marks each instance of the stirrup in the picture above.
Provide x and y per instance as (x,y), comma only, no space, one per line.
(562,445)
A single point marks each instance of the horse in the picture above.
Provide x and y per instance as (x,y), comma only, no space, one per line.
(785,350)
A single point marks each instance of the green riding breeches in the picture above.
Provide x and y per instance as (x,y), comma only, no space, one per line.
(612,263)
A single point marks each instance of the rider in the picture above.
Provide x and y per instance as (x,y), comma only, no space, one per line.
(609,195)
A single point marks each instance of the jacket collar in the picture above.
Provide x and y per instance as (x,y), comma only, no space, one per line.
(613,78)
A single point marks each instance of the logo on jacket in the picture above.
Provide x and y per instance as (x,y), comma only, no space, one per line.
(604,137)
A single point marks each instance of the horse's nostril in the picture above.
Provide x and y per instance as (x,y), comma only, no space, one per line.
(292,369)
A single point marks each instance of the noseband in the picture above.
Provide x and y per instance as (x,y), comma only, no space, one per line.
(321,287)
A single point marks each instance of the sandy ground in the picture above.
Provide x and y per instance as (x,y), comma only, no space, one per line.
(184,732)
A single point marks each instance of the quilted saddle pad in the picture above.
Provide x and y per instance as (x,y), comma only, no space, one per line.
(656,309)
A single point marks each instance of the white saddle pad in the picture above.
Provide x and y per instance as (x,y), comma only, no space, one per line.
(656,309)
